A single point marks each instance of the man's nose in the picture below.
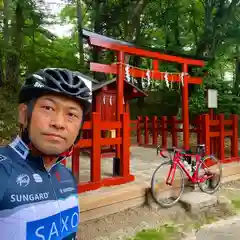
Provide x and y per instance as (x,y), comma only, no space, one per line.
(58,121)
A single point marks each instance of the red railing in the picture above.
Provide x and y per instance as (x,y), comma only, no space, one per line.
(147,129)
(215,132)
(210,132)
(122,142)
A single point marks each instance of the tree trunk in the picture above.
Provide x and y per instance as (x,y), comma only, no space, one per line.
(80,37)
(13,57)
(6,37)
(1,70)
(236,85)
(96,51)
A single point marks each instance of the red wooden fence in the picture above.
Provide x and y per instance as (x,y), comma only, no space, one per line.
(210,132)
(215,132)
(95,143)
(145,128)
(148,131)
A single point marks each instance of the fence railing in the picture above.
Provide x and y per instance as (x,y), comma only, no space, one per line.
(95,141)
(208,131)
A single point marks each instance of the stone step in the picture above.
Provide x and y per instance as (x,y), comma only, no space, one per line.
(198,201)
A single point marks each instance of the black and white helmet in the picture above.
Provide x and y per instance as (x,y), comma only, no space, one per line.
(58,80)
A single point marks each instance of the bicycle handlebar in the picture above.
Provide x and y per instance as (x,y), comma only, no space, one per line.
(173,149)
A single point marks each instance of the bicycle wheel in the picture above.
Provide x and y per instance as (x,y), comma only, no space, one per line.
(159,184)
(212,174)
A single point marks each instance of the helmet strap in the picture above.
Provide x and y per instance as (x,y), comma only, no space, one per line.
(25,131)
(80,131)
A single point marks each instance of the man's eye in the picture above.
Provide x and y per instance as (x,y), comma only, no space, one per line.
(72,115)
(48,108)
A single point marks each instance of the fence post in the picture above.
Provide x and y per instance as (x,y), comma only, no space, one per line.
(215,139)
(198,129)
(174,131)
(125,149)
(234,144)
(221,136)
(154,130)
(76,162)
(164,131)
(146,130)
(139,130)
(206,130)
(96,148)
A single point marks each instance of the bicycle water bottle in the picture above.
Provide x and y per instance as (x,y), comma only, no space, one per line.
(187,166)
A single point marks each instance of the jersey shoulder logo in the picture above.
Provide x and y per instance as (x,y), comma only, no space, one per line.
(37,178)
(23,180)
(2,158)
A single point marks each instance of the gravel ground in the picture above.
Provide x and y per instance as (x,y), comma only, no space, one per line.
(127,223)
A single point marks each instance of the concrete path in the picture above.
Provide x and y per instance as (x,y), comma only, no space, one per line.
(221,230)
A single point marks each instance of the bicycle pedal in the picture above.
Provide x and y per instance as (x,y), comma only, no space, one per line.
(194,187)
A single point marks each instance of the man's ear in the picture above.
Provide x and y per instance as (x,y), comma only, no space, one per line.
(22,114)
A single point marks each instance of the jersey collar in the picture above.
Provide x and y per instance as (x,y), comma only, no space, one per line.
(20,147)
(24,152)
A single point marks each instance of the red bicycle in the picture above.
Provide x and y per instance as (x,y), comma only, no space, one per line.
(198,168)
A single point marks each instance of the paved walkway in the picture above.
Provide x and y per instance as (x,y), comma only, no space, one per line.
(221,230)
(143,163)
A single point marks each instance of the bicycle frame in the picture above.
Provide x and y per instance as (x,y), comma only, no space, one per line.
(177,161)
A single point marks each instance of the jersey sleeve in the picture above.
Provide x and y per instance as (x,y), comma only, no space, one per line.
(4,179)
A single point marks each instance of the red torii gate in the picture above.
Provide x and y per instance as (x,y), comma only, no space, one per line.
(123,49)
(122,123)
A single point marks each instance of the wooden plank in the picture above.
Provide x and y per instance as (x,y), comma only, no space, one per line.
(87,126)
(96,148)
(84,143)
(230,169)
(110,141)
(111,209)
(214,134)
(107,125)
(107,198)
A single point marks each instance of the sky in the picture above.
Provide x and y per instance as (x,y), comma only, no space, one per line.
(55,6)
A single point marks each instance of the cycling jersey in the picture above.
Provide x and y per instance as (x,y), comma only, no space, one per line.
(35,204)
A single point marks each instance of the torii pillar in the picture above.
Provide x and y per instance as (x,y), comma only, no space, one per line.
(185,109)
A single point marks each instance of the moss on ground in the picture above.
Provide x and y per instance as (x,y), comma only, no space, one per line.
(162,233)
(176,231)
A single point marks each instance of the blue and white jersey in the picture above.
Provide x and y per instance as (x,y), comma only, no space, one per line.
(35,204)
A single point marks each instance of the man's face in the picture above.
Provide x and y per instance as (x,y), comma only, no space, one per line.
(55,124)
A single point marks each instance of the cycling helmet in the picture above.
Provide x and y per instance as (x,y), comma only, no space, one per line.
(49,80)
(55,80)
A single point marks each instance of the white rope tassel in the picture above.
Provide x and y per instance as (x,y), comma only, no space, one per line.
(148,78)
(182,78)
(127,72)
(166,79)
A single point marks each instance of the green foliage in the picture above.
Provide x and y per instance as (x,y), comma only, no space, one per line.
(200,28)
(8,116)
(162,233)
(228,100)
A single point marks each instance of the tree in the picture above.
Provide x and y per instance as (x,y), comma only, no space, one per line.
(201,28)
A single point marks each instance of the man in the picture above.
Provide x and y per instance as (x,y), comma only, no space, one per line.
(38,196)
